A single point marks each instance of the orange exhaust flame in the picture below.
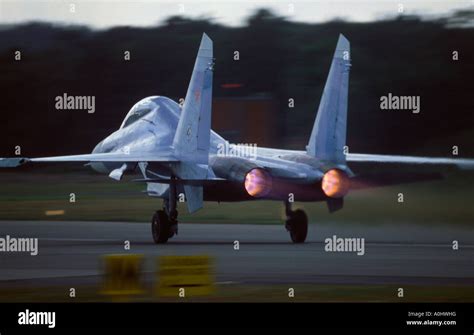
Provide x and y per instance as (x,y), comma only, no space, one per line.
(258,183)
(335,183)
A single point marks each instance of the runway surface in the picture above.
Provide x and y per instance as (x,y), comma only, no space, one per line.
(70,252)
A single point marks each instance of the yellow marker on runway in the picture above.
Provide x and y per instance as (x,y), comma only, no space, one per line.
(122,275)
(185,276)
(55,212)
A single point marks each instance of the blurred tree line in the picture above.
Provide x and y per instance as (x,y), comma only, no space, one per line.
(406,55)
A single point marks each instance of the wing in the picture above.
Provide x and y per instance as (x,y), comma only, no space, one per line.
(99,157)
(464,163)
(192,182)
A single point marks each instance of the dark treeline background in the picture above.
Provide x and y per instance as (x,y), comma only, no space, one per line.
(405,56)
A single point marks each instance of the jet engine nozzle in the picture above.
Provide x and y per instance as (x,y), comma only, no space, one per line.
(258,183)
(335,183)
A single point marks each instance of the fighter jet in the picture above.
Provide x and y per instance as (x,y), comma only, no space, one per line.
(174,151)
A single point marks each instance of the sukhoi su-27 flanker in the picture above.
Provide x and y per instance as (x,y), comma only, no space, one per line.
(176,152)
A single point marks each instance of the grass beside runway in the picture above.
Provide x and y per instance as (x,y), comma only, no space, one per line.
(29,195)
(255,293)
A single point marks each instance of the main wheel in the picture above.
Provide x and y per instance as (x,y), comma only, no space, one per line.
(160,227)
(298,226)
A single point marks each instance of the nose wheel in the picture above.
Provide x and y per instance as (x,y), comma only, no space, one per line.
(296,224)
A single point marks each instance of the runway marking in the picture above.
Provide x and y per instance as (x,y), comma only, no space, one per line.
(387,244)
(79,239)
(55,212)
(410,244)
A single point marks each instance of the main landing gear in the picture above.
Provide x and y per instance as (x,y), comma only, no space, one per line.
(296,223)
(164,223)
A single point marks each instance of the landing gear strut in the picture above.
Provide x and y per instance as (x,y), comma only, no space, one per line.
(164,223)
(296,223)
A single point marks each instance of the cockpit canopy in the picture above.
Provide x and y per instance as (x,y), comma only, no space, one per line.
(139,110)
(137,114)
(147,105)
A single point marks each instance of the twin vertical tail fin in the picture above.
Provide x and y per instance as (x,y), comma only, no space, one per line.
(328,136)
(192,138)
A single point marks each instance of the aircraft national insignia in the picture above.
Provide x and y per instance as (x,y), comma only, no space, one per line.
(189,132)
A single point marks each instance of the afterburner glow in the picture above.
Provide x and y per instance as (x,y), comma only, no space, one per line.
(335,183)
(258,183)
